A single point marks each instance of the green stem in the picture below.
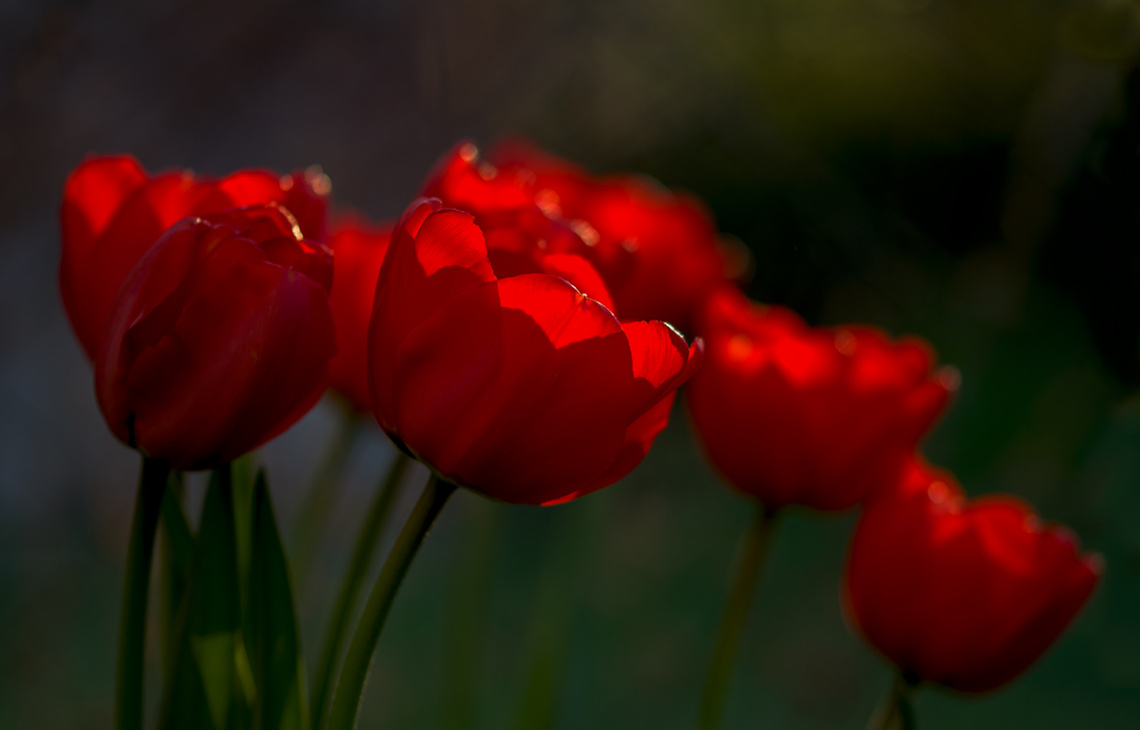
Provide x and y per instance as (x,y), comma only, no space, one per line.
(735,617)
(366,542)
(350,689)
(895,712)
(174,567)
(136,585)
(322,493)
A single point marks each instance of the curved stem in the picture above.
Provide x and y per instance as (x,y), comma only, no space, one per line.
(136,587)
(735,617)
(350,688)
(895,712)
(366,542)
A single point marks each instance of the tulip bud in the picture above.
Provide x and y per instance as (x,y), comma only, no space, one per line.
(657,249)
(520,387)
(962,593)
(797,415)
(521,236)
(113,211)
(219,338)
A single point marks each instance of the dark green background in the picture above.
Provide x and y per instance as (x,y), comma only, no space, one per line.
(965,170)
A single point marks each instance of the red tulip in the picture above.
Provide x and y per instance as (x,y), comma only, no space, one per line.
(520,387)
(962,593)
(113,212)
(358,247)
(521,236)
(798,415)
(219,339)
(657,249)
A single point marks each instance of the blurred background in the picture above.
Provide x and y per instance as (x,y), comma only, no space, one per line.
(965,170)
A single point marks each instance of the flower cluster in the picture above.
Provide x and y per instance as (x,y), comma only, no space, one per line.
(516,330)
(956,593)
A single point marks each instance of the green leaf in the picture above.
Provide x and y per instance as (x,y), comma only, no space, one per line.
(201,694)
(274,643)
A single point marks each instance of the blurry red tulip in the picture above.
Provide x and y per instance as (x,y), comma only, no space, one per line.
(219,339)
(358,251)
(519,387)
(113,212)
(521,237)
(798,415)
(658,250)
(962,593)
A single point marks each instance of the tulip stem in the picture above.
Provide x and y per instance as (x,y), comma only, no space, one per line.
(755,548)
(895,712)
(366,542)
(136,589)
(350,688)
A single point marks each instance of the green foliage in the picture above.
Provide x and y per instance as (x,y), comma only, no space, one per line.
(238,662)
(275,646)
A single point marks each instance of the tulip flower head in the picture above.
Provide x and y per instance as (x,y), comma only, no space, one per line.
(358,249)
(818,417)
(657,249)
(965,593)
(113,211)
(219,338)
(520,387)
(522,235)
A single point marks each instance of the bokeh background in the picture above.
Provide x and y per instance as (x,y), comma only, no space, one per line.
(966,170)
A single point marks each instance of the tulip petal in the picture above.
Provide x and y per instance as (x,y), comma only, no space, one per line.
(581,274)
(434,255)
(141,219)
(91,196)
(205,312)
(242,188)
(113,212)
(359,249)
(240,338)
(519,388)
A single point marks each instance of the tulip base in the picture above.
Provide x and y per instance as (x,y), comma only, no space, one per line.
(755,549)
(350,688)
(136,588)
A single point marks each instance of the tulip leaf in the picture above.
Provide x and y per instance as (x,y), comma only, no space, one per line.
(214,655)
(274,643)
(201,693)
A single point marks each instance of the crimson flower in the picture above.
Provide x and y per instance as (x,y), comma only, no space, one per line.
(358,251)
(962,593)
(113,211)
(522,236)
(657,249)
(219,338)
(519,387)
(798,415)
